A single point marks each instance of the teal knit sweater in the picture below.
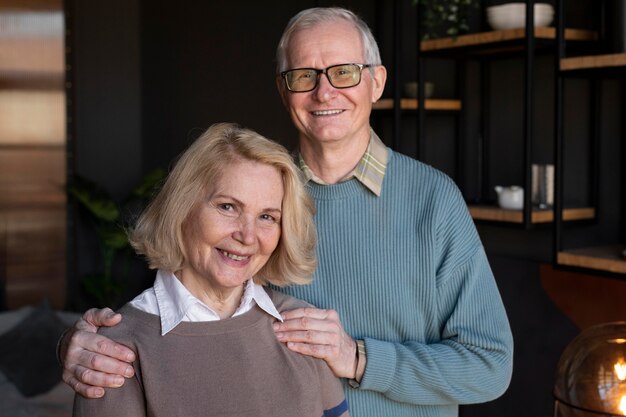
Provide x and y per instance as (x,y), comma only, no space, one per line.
(408,274)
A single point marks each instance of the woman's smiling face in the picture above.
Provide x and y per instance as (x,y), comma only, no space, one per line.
(232,233)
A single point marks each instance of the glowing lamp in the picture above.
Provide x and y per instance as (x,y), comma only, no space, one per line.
(591,375)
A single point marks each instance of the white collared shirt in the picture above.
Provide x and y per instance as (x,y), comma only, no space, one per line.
(170,300)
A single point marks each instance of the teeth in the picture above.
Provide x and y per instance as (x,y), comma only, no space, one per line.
(326,112)
(233,256)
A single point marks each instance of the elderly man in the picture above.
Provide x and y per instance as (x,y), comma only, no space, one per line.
(409,313)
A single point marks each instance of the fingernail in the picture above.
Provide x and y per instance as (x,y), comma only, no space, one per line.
(129,372)
(276,326)
(128,356)
(99,393)
(280,336)
(118,382)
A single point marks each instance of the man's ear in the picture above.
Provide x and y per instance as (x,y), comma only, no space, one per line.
(378,86)
(282,90)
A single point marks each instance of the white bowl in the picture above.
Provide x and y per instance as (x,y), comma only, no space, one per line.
(513,15)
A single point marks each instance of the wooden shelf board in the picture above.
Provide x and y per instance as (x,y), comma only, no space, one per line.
(497,214)
(593,61)
(487,38)
(411,104)
(604,258)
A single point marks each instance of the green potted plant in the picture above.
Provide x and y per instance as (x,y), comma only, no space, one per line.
(110,224)
(441,18)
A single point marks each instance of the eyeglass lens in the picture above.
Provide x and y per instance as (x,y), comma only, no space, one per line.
(339,76)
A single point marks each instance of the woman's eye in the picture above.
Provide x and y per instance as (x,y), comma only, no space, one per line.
(227,209)
(268,217)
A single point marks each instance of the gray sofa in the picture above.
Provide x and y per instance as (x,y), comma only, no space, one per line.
(30,378)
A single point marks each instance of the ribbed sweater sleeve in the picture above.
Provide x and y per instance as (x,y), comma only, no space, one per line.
(408,274)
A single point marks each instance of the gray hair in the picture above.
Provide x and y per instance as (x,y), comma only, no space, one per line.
(310,18)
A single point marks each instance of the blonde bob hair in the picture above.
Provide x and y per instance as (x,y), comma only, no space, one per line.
(158,233)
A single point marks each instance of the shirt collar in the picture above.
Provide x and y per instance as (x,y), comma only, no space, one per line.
(177,304)
(370,170)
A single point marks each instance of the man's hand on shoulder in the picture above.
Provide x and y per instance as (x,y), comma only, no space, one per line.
(92,362)
(319,333)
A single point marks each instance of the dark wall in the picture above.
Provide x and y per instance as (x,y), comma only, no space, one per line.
(105,98)
(149,76)
(208,62)
(104,117)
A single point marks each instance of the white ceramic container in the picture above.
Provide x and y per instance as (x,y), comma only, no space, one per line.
(511,197)
(513,15)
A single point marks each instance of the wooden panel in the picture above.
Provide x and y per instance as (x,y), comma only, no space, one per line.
(34,246)
(603,258)
(32,117)
(32,152)
(31,5)
(28,165)
(586,299)
(32,55)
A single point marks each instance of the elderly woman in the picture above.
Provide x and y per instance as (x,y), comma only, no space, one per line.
(232,217)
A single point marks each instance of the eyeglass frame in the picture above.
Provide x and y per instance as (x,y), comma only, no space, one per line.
(324,71)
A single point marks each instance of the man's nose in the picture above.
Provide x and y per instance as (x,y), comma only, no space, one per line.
(324,90)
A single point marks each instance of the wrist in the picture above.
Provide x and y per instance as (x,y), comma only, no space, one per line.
(360,361)
(60,348)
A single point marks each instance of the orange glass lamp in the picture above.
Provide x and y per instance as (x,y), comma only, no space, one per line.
(591,375)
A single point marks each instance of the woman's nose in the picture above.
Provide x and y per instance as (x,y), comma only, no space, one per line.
(245,231)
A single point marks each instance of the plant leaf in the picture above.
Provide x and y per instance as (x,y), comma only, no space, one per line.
(94,198)
(114,237)
(149,183)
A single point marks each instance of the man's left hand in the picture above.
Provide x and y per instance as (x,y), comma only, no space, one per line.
(319,333)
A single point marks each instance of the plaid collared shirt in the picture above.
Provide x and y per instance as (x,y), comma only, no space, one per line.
(370,170)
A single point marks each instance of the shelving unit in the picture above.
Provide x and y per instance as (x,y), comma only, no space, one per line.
(485,47)
(491,44)
(604,258)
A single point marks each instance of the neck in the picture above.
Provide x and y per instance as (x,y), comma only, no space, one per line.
(332,161)
(224,301)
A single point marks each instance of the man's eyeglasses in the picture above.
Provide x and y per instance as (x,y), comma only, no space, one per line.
(301,80)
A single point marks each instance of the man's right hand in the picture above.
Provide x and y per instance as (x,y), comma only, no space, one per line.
(92,362)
